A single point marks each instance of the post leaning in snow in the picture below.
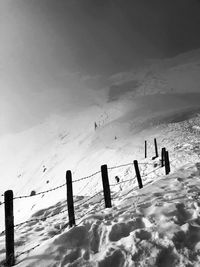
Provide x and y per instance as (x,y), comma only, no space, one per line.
(167,163)
(163,157)
(156,148)
(106,186)
(137,171)
(9,228)
(70,202)
(145,149)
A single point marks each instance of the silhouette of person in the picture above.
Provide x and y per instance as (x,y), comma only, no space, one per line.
(95,125)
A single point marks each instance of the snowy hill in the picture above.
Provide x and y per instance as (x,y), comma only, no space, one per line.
(155,226)
(174,75)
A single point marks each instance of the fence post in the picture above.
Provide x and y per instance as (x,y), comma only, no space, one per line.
(106,186)
(9,228)
(70,202)
(145,147)
(167,163)
(137,171)
(163,156)
(156,148)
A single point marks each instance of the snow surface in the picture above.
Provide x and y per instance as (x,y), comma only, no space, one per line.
(158,225)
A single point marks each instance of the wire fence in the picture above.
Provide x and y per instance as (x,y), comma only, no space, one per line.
(124,181)
(78,180)
(89,211)
(27,251)
(82,202)
(87,177)
(43,218)
(41,193)
(81,217)
(120,166)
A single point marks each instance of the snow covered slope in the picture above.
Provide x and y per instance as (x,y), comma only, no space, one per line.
(173,75)
(156,226)
(132,233)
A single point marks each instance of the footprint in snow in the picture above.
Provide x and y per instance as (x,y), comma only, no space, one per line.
(120,230)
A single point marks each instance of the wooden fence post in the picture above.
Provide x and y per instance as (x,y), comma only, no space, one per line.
(167,163)
(106,186)
(163,157)
(9,228)
(137,171)
(156,148)
(145,148)
(70,202)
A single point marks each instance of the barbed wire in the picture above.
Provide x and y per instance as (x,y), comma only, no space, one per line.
(50,190)
(86,177)
(85,186)
(146,163)
(49,216)
(113,198)
(36,220)
(41,193)
(82,201)
(153,171)
(89,211)
(90,198)
(122,182)
(132,189)
(130,164)
(119,166)
(78,180)
(27,251)
(53,189)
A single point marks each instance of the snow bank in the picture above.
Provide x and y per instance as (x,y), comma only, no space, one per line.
(158,225)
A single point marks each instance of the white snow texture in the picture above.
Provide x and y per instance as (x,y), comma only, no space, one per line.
(156,226)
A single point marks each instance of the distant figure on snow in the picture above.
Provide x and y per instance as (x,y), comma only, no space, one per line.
(95,125)
(44,168)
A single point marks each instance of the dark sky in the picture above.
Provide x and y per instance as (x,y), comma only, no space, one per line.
(52,50)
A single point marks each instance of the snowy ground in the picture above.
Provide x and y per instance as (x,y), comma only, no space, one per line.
(158,225)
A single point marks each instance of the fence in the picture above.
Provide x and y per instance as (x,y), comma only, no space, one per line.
(107,197)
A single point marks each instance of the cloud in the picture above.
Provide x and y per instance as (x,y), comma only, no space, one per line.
(58,55)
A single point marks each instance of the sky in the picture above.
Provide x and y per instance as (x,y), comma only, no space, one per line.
(56,55)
